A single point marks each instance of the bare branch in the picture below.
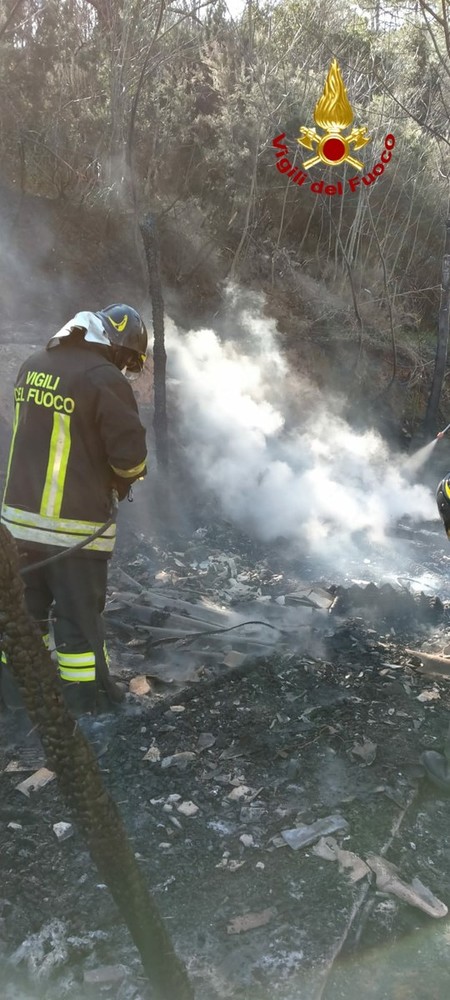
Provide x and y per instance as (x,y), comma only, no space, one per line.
(140,83)
(434,15)
(423,124)
(437,50)
(443,21)
(145,68)
(34,138)
(7,23)
(387,293)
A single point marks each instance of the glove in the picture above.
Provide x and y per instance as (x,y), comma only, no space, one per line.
(122,486)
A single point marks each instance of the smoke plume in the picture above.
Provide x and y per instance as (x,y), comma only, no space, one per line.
(280,458)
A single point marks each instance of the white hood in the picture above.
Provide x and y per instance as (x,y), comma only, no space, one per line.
(89,322)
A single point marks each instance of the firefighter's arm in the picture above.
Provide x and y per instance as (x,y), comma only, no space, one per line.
(120,428)
(122,483)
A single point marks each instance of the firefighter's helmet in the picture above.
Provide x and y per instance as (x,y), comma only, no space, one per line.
(125,329)
(443,502)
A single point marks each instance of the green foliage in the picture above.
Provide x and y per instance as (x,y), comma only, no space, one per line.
(209,94)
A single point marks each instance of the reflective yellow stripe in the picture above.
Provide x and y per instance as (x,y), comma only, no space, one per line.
(103,544)
(11,448)
(76,659)
(126,473)
(58,458)
(33,527)
(73,674)
(3,658)
(32,520)
(76,666)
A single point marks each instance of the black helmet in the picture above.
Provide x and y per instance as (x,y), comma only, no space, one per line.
(125,328)
(443,502)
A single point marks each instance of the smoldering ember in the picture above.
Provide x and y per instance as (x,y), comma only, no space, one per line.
(225,521)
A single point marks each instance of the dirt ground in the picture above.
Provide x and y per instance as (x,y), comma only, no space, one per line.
(332,724)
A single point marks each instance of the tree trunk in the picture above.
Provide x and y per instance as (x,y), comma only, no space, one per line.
(430,422)
(150,240)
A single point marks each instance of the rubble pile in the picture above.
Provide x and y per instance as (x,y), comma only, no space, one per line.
(388,603)
(185,613)
(198,609)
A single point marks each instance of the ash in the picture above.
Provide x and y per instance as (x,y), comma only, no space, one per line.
(270,696)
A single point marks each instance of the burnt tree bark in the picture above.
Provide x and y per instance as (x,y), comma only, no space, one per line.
(80,781)
(150,241)
(431,416)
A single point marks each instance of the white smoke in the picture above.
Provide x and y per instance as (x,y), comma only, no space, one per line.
(279,457)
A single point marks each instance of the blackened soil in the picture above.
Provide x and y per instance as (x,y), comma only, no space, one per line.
(286,728)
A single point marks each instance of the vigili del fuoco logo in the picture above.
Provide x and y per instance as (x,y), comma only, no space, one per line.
(332,114)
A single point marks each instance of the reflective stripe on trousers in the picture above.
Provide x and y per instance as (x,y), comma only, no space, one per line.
(73,667)
(76,667)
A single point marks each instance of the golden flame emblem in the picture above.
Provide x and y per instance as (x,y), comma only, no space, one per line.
(332,114)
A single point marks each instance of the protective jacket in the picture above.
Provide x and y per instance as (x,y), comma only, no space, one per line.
(76,435)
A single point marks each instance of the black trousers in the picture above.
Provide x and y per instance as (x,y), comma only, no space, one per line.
(73,589)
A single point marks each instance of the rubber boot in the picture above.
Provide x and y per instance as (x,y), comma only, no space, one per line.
(115,689)
(80,698)
(110,690)
(437,766)
(110,693)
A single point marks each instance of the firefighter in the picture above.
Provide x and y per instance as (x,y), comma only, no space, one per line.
(437,765)
(76,439)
